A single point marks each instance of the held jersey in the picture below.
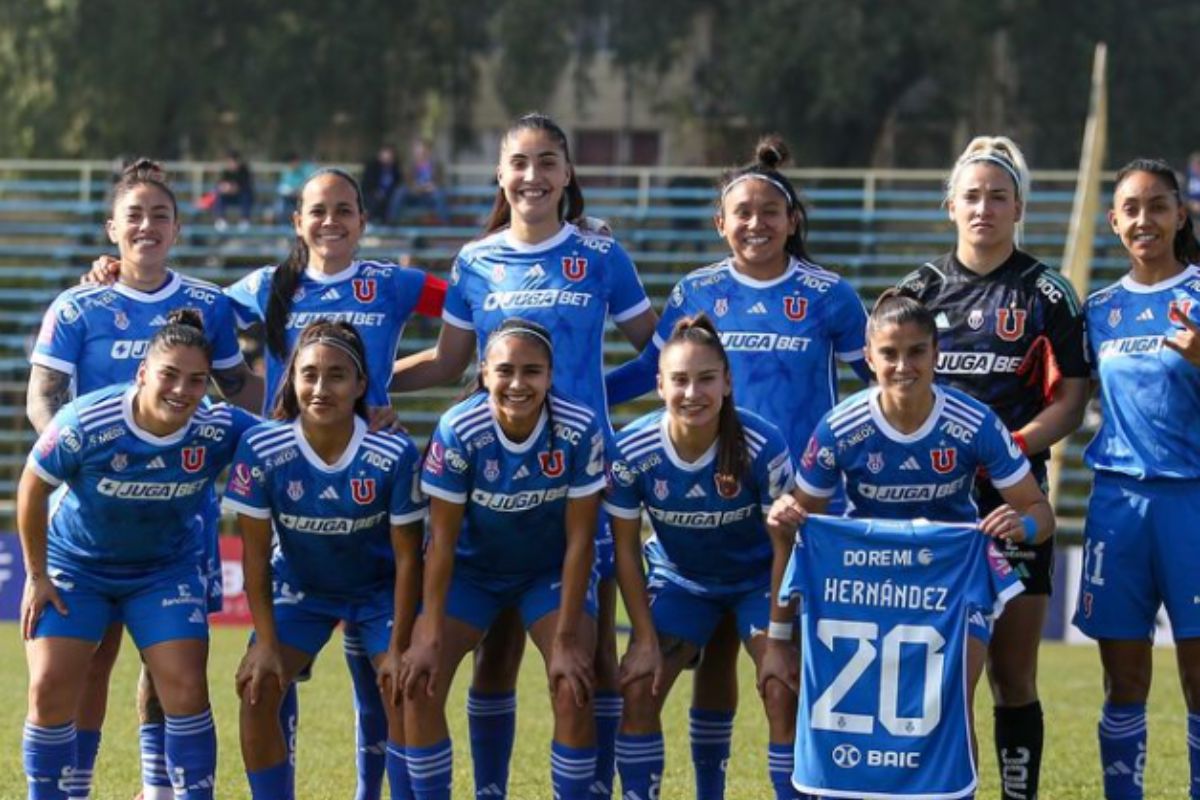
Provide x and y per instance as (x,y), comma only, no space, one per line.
(99,334)
(515,493)
(708,538)
(131,496)
(988,323)
(886,605)
(376,298)
(332,522)
(781,337)
(570,283)
(1149,394)
(927,473)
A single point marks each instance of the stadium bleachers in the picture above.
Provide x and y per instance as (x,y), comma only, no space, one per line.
(870,226)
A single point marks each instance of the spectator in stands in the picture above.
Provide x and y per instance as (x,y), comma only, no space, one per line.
(381,180)
(291,181)
(1193,183)
(235,189)
(422,188)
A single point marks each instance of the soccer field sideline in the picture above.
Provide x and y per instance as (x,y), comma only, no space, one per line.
(1071,695)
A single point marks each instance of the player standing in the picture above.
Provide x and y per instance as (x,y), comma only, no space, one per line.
(1010,334)
(1138,553)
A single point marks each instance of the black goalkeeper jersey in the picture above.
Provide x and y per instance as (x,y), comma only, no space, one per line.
(988,324)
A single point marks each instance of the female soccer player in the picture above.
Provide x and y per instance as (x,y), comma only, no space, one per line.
(784,320)
(706,472)
(96,336)
(1138,555)
(138,461)
(345,508)
(1010,333)
(532,262)
(514,474)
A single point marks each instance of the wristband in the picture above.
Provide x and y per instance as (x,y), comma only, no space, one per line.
(780,631)
(1031,528)
(1019,438)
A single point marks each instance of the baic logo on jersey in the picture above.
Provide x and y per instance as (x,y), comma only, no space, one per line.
(364,289)
(552,463)
(193,459)
(1010,323)
(795,308)
(362,490)
(943,459)
(574,269)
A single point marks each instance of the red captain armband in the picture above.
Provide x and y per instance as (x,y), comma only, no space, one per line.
(433,297)
(1019,438)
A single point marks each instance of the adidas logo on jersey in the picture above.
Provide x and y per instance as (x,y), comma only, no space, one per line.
(757,308)
(942,321)
(158,321)
(911,463)
(329,494)
(696,491)
(332,294)
(1145,316)
(523,472)
(156,463)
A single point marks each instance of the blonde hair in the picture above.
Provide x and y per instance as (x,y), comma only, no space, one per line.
(1001,152)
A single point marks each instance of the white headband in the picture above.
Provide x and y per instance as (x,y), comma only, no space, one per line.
(759,176)
(1003,163)
(340,345)
(515,331)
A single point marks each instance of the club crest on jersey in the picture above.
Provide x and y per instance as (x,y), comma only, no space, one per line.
(721,306)
(875,463)
(362,490)
(795,308)
(1010,323)
(119,462)
(1114,318)
(295,490)
(574,268)
(364,289)
(193,459)
(1179,309)
(552,463)
(121,319)
(943,459)
(498,273)
(491,469)
(661,490)
(975,319)
(727,485)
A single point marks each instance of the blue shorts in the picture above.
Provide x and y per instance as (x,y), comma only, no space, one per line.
(606,563)
(208,530)
(679,612)
(1140,552)
(306,622)
(158,607)
(478,602)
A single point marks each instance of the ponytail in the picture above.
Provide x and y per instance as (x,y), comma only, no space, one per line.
(570,207)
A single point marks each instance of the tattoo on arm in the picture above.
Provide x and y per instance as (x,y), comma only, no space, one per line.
(49,390)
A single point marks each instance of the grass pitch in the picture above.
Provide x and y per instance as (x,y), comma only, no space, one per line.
(1070,687)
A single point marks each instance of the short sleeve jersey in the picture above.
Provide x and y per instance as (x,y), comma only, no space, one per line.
(332,522)
(131,496)
(376,298)
(781,336)
(515,493)
(708,537)
(99,334)
(571,283)
(987,324)
(1149,394)
(927,473)
(886,604)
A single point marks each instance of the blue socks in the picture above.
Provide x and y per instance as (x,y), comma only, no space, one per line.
(781,760)
(430,770)
(640,762)
(711,733)
(289,718)
(49,756)
(370,717)
(1193,740)
(571,771)
(608,719)
(87,744)
(192,755)
(492,721)
(272,783)
(397,772)
(1122,733)
(155,782)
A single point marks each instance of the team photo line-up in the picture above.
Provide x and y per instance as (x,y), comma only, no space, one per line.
(903,534)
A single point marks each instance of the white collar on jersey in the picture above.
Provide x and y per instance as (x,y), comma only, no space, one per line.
(677,460)
(310,455)
(519,447)
(141,433)
(939,400)
(754,283)
(563,234)
(1189,272)
(166,290)
(337,277)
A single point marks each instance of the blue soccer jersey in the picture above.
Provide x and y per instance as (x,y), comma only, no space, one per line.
(332,522)
(928,473)
(781,335)
(886,607)
(99,334)
(376,298)
(570,283)
(1148,392)
(515,493)
(708,538)
(132,496)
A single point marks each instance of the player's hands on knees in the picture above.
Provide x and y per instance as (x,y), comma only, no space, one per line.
(780,662)
(39,593)
(261,663)
(787,513)
(390,675)
(383,418)
(642,660)
(1185,342)
(571,662)
(1004,523)
(105,270)
(421,659)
